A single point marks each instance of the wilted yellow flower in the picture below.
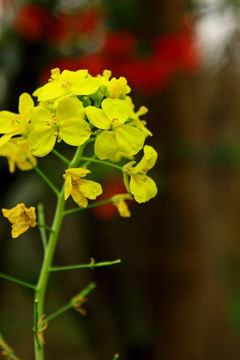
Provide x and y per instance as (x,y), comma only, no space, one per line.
(21,218)
(80,189)
(121,205)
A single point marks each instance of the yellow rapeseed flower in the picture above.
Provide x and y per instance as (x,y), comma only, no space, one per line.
(142,186)
(117,135)
(66,123)
(67,83)
(79,188)
(21,218)
(12,124)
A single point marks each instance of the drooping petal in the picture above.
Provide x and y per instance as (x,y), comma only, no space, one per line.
(68,186)
(148,160)
(143,188)
(78,197)
(130,140)
(42,141)
(106,145)
(98,118)
(90,189)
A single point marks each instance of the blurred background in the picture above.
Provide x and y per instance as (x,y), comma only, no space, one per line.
(176,294)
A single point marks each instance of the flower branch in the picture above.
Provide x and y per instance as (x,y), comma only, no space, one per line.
(91,265)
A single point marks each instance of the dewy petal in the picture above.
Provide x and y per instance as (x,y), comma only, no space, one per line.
(98,118)
(42,141)
(90,189)
(142,187)
(106,145)
(148,160)
(130,140)
(74,131)
(70,108)
(68,186)
(116,109)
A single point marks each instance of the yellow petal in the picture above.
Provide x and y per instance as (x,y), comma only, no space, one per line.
(19,228)
(74,131)
(86,86)
(143,188)
(130,140)
(116,109)
(148,160)
(90,189)
(78,197)
(68,186)
(106,145)
(26,104)
(70,108)
(77,172)
(98,118)
(49,91)
(8,122)
(42,141)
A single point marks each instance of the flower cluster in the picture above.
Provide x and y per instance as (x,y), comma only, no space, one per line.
(77,108)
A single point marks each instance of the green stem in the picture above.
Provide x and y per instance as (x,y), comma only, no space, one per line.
(44,177)
(41,225)
(18,281)
(72,211)
(70,304)
(60,156)
(48,256)
(88,162)
(45,227)
(107,163)
(116,356)
(83,266)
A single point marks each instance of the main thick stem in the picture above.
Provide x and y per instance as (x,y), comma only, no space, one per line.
(48,257)
(47,261)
